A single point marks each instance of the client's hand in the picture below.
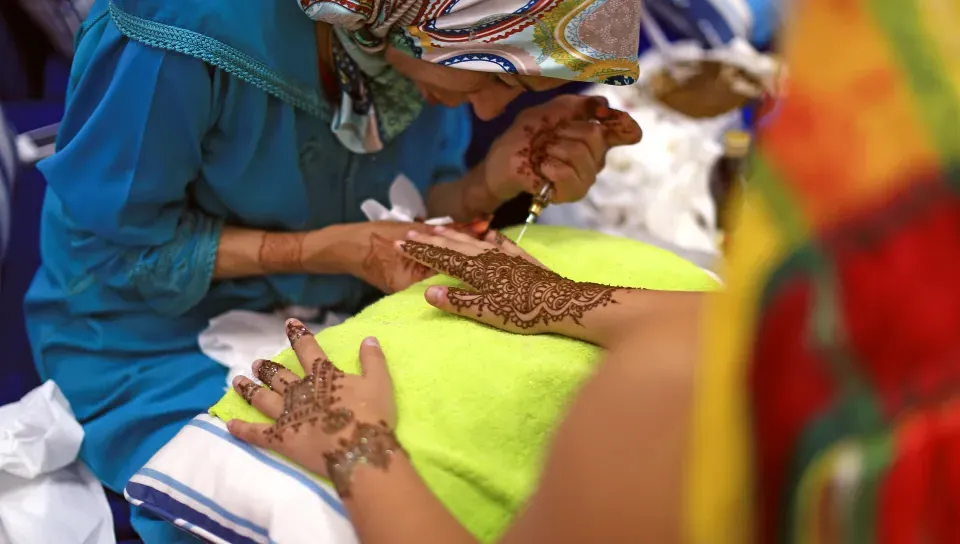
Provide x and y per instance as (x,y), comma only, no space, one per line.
(329,422)
(510,289)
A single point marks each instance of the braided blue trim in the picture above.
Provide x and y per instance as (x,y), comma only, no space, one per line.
(218,54)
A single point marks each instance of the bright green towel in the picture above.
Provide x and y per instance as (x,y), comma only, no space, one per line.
(477,405)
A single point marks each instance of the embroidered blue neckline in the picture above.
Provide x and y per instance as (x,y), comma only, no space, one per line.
(219,54)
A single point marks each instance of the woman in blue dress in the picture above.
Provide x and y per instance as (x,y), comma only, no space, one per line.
(214,156)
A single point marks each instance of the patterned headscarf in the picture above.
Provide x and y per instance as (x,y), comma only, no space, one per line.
(580,40)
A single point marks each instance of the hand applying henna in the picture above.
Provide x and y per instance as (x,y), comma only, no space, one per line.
(512,291)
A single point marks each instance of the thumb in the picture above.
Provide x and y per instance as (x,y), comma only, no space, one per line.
(458,301)
(620,129)
(373,363)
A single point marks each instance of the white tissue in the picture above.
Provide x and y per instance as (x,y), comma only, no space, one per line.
(406,205)
(46,495)
(237,338)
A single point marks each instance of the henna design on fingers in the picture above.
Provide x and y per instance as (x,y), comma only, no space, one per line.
(267,371)
(512,288)
(295,330)
(282,252)
(248,390)
(370,444)
(311,401)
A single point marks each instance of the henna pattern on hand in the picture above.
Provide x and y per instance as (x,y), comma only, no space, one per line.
(532,157)
(282,252)
(295,330)
(248,390)
(267,371)
(511,287)
(312,400)
(370,444)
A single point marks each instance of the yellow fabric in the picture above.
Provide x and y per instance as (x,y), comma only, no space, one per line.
(477,405)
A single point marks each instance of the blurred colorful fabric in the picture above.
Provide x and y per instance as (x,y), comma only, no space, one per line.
(828,406)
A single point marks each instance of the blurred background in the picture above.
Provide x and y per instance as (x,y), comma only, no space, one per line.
(708,77)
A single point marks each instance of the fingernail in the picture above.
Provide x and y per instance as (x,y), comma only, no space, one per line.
(295,330)
(371,341)
(412,234)
(434,294)
(256,365)
(439,228)
(237,380)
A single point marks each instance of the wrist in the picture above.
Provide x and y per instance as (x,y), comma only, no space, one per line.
(332,250)
(611,309)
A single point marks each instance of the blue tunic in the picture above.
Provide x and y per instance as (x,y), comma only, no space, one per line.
(158,151)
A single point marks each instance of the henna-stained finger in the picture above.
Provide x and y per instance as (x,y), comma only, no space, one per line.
(577,155)
(274,375)
(304,345)
(591,134)
(442,259)
(567,185)
(268,402)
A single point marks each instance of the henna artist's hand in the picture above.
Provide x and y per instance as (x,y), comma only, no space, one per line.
(329,422)
(374,259)
(510,289)
(564,141)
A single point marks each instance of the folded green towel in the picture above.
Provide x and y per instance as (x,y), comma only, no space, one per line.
(477,405)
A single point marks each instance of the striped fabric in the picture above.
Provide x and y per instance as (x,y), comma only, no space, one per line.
(829,385)
(211,499)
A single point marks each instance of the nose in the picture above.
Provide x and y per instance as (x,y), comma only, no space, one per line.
(489,103)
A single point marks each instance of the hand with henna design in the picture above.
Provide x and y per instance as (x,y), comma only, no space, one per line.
(331,423)
(564,141)
(512,291)
(509,289)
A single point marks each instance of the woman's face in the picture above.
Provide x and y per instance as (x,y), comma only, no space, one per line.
(488,93)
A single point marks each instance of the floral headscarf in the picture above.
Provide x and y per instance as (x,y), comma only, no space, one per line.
(579,40)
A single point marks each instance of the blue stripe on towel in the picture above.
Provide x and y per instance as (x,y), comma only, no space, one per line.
(202,499)
(273,463)
(172,510)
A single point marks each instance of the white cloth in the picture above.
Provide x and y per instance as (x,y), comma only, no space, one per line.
(406,204)
(46,495)
(237,338)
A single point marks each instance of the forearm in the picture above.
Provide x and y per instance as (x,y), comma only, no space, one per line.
(465,199)
(395,506)
(246,252)
(606,322)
